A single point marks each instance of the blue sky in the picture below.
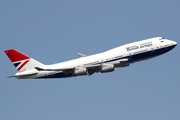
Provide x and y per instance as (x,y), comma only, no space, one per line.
(54,31)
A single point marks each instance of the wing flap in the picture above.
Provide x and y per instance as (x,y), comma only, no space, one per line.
(93,66)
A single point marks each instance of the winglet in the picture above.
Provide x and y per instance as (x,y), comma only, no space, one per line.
(81,55)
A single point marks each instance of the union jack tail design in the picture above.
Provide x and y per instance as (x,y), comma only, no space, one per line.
(22,62)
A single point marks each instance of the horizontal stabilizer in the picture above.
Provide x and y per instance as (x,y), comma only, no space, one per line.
(22,75)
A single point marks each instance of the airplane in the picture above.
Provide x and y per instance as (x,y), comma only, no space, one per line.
(104,62)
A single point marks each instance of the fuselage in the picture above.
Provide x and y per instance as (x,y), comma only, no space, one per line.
(104,62)
(130,53)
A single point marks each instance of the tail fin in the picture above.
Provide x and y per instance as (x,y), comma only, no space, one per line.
(22,62)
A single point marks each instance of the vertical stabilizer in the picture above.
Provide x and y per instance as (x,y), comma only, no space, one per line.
(22,62)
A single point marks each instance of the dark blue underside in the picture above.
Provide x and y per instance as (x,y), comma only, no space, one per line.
(131,59)
(58,75)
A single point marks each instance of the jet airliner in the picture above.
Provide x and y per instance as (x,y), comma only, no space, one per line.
(104,62)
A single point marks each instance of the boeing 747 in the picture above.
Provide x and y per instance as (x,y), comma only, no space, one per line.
(104,62)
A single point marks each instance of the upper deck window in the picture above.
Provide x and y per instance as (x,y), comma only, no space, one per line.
(161,39)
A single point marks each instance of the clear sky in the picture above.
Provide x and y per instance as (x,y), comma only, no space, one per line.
(54,31)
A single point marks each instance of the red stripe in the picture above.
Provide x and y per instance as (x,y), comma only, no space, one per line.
(22,65)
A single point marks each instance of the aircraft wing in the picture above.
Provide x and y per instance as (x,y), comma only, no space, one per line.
(81,55)
(91,68)
(97,67)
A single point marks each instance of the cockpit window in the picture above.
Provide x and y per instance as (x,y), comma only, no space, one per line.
(161,38)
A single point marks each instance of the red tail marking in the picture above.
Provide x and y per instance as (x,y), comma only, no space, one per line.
(22,65)
(15,55)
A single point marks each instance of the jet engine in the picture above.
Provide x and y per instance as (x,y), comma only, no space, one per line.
(107,68)
(81,71)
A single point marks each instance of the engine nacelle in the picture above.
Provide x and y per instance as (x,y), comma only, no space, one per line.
(80,71)
(123,65)
(107,68)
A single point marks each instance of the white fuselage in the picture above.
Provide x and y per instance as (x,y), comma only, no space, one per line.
(118,57)
(123,51)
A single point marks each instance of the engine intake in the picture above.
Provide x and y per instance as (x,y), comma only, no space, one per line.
(107,68)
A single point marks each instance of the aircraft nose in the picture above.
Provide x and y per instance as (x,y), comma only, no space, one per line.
(175,43)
